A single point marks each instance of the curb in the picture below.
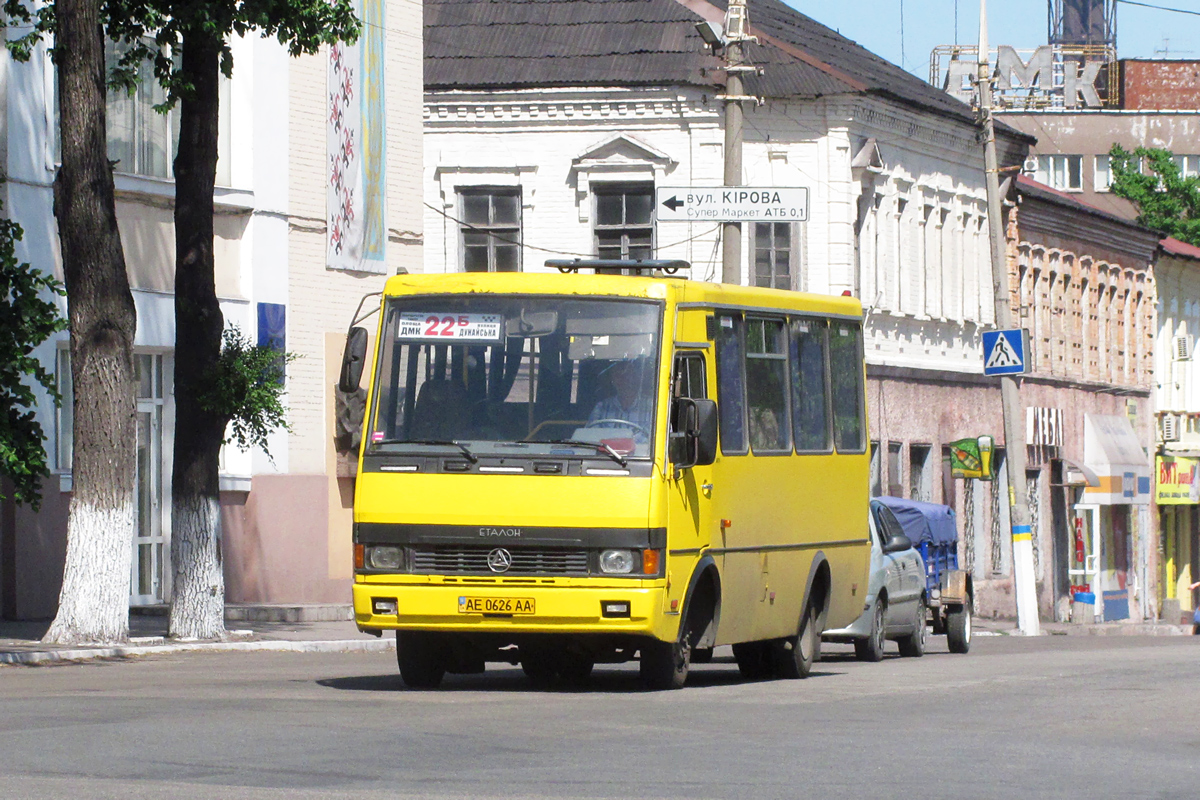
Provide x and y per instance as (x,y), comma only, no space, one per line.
(127,651)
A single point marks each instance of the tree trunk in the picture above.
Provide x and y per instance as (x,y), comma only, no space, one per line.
(94,602)
(198,600)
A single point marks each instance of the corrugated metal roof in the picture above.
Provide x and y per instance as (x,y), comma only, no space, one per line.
(476,44)
(1178,248)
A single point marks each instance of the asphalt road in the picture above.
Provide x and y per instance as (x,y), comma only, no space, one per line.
(1055,716)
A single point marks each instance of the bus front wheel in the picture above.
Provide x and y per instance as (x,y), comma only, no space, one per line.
(665,665)
(421,658)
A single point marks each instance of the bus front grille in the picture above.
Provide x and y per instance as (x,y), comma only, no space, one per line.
(458,560)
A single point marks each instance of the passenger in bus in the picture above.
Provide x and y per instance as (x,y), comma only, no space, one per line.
(630,401)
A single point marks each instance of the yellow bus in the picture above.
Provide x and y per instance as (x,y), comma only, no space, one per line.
(560,470)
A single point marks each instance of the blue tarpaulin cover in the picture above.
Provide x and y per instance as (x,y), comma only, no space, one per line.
(922,522)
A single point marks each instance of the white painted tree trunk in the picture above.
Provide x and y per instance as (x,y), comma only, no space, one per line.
(94,602)
(198,596)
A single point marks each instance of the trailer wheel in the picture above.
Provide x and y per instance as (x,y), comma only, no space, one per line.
(958,628)
(913,645)
(871,648)
(421,658)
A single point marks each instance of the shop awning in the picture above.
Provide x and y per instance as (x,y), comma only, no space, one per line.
(1112,450)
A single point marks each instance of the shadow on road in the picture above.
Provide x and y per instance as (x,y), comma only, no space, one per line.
(611,680)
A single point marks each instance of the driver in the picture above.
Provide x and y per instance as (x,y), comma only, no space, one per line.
(629,403)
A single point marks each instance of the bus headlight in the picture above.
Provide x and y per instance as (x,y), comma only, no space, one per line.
(616,562)
(385,557)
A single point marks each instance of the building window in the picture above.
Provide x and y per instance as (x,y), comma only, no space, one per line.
(491,230)
(1189,166)
(141,140)
(624,221)
(919,487)
(774,245)
(1102,180)
(894,473)
(1060,172)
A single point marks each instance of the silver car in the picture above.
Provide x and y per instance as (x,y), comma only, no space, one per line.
(895,607)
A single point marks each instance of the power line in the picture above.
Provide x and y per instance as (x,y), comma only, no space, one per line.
(557,251)
(1160,8)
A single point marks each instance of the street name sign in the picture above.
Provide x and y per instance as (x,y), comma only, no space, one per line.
(1005,352)
(731,203)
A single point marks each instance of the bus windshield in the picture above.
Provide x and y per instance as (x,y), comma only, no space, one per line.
(508,376)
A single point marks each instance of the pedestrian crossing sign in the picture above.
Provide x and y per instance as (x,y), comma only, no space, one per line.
(1004,352)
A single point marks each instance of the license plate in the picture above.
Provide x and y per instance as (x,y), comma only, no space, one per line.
(495,605)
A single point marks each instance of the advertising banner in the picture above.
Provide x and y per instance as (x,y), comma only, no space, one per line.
(1175,481)
(355,187)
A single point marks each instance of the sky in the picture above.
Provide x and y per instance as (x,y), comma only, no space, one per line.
(876,25)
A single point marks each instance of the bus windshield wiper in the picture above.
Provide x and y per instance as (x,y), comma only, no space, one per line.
(599,447)
(474,459)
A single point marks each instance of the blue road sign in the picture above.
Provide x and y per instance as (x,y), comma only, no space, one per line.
(1004,352)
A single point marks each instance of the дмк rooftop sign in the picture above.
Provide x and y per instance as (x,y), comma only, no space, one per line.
(1050,77)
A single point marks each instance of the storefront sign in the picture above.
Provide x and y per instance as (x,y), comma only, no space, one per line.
(1176,482)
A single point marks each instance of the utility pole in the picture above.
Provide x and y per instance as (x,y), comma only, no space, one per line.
(736,28)
(1010,393)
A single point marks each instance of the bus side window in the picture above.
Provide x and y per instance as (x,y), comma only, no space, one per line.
(846,381)
(689,379)
(766,386)
(731,384)
(810,387)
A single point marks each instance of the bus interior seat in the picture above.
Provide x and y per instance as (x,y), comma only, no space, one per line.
(440,411)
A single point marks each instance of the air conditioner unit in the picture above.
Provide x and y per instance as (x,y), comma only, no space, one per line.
(1183,348)
(1030,166)
(1170,427)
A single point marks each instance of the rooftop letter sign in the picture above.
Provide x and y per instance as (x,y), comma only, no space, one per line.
(1053,76)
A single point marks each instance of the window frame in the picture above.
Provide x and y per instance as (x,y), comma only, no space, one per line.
(785,387)
(860,380)
(622,189)
(823,324)
(793,258)
(491,229)
(739,330)
(1049,165)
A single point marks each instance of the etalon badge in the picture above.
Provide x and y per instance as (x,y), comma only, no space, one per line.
(499,560)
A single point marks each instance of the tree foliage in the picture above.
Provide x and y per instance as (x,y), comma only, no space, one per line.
(27,318)
(1166,200)
(246,388)
(150,31)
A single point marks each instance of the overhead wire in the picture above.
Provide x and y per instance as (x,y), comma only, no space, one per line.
(557,251)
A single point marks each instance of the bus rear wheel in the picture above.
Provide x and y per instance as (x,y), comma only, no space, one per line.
(421,658)
(754,660)
(795,655)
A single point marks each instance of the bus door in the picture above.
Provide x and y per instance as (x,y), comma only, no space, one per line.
(690,510)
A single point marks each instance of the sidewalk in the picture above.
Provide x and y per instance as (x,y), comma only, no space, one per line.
(1008,627)
(280,628)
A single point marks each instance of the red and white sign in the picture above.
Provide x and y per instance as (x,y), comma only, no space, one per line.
(433,326)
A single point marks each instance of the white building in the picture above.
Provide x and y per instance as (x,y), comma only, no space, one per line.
(1177,400)
(286,517)
(553,135)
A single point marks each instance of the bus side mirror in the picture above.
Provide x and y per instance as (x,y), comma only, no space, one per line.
(353,359)
(693,432)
